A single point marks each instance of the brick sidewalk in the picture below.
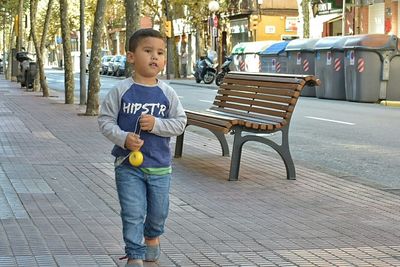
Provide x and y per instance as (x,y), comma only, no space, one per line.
(59,207)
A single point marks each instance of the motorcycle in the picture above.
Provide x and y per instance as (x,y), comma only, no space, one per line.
(224,70)
(205,70)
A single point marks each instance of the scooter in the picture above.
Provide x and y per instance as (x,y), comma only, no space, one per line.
(27,70)
(205,70)
(224,70)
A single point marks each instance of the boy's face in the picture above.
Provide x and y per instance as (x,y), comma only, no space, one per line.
(148,58)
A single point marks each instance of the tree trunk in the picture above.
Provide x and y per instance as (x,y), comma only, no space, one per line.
(42,76)
(20,22)
(32,15)
(132,12)
(10,45)
(175,54)
(305,5)
(92,106)
(66,41)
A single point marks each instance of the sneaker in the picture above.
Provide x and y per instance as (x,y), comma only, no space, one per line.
(152,253)
(136,263)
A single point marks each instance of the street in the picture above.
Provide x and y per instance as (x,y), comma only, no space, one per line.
(355,141)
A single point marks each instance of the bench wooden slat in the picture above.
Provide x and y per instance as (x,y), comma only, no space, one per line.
(261,119)
(260,95)
(249,83)
(255,80)
(251,102)
(226,117)
(309,80)
(273,90)
(208,125)
(215,121)
(274,113)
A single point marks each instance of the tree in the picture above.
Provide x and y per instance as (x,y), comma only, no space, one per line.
(66,41)
(39,48)
(305,6)
(92,107)
(10,11)
(32,15)
(132,13)
(20,28)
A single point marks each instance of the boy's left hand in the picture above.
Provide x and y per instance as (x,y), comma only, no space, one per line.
(147,122)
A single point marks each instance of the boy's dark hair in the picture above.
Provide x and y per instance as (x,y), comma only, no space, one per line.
(139,35)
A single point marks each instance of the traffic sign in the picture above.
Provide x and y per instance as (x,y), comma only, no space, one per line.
(215,21)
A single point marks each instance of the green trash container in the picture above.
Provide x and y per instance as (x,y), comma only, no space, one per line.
(300,53)
(238,63)
(274,58)
(393,88)
(367,66)
(329,67)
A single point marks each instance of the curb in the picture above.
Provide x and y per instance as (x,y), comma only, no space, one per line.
(390,103)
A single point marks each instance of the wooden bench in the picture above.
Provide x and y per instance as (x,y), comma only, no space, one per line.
(254,103)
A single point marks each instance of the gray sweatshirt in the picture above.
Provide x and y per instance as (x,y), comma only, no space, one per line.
(120,112)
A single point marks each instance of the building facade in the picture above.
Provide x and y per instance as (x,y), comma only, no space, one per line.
(360,17)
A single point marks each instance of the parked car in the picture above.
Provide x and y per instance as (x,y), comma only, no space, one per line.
(105,60)
(110,70)
(119,66)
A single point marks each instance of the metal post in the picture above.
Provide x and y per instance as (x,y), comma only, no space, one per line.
(4,41)
(343,18)
(82,99)
(213,41)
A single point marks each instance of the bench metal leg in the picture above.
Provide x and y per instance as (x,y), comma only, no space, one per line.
(220,136)
(236,155)
(283,151)
(224,144)
(179,145)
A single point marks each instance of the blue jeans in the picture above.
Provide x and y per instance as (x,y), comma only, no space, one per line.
(144,201)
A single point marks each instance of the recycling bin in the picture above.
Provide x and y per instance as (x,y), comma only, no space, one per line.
(329,68)
(238,58)
(252,54)
(274,58)
(393,88)
(367,66)
(300,54)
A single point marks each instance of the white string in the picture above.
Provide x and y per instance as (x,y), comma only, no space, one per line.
(137,123)
(140,129)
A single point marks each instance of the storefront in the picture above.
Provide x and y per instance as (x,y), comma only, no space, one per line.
(239,29)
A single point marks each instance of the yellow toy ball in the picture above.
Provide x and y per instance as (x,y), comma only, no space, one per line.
(136,158)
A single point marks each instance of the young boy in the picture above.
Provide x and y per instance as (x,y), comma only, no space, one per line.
(142,113)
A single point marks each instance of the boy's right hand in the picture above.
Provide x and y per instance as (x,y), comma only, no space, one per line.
(133,142)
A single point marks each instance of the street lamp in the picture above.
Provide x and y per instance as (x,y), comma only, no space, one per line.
(260,2)
(213,6)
